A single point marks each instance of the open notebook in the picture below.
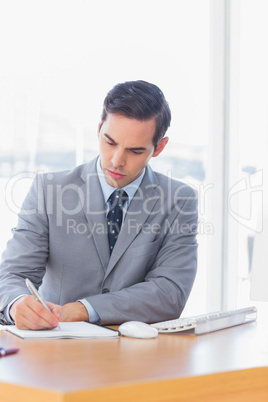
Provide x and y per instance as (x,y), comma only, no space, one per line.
(79,329)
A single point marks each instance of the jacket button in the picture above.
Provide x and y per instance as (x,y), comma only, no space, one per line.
(105,290)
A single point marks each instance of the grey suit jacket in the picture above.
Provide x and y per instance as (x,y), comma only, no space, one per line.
(60,243)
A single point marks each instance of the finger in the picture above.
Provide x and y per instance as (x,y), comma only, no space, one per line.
(55,309)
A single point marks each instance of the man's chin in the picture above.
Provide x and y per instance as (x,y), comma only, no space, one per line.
(112,182)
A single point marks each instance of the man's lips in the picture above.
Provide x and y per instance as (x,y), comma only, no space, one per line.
(115,175)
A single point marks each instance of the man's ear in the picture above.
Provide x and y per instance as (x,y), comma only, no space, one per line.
(160,146)
(99,128)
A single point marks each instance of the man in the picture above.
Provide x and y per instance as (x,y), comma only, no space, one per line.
(61,242)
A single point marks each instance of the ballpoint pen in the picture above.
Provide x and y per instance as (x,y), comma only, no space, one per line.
(6,352)
(35,293)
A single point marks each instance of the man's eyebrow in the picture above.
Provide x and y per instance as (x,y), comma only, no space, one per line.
(137,149)
(131,148)
(109,138)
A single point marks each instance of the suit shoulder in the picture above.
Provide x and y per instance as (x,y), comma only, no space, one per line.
(175,185)
(66,177)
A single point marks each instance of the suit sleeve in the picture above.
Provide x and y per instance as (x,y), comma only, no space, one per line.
(27,251)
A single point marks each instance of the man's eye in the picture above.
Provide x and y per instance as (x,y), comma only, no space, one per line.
(136,152)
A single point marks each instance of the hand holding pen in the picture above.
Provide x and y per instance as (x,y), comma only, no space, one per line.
(35,293)
(69,311)
(29,312)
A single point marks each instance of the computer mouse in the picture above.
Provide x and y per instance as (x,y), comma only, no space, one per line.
(137,329)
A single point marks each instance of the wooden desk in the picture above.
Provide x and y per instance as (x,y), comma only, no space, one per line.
(228,365)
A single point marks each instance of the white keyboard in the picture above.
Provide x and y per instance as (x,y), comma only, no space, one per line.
(205,323)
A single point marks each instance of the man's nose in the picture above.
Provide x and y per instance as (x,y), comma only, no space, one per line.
(118,158)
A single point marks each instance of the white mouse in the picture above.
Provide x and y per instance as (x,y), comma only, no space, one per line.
(137,329)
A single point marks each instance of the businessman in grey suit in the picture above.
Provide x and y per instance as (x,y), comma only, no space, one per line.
(61,242)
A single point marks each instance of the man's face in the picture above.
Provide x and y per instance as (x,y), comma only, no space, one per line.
(126,146)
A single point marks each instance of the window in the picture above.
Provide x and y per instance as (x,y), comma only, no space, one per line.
(253,136)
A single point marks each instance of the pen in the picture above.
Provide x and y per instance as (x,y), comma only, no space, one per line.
(34,292)
(5,352)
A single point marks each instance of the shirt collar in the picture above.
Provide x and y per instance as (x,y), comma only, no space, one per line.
(107,190)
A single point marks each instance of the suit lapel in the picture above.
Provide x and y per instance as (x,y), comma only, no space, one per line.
(138,212)
(94,210)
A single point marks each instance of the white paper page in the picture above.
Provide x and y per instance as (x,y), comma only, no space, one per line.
(67,330)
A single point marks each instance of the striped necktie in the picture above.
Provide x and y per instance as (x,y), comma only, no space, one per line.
(115,216)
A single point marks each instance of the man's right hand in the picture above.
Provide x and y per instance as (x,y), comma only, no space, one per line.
(29,313)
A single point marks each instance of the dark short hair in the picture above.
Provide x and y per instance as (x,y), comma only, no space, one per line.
(139,100)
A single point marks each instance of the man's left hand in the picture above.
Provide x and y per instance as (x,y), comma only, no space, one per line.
(71,311)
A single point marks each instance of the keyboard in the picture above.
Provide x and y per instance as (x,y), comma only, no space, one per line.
(209,322)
